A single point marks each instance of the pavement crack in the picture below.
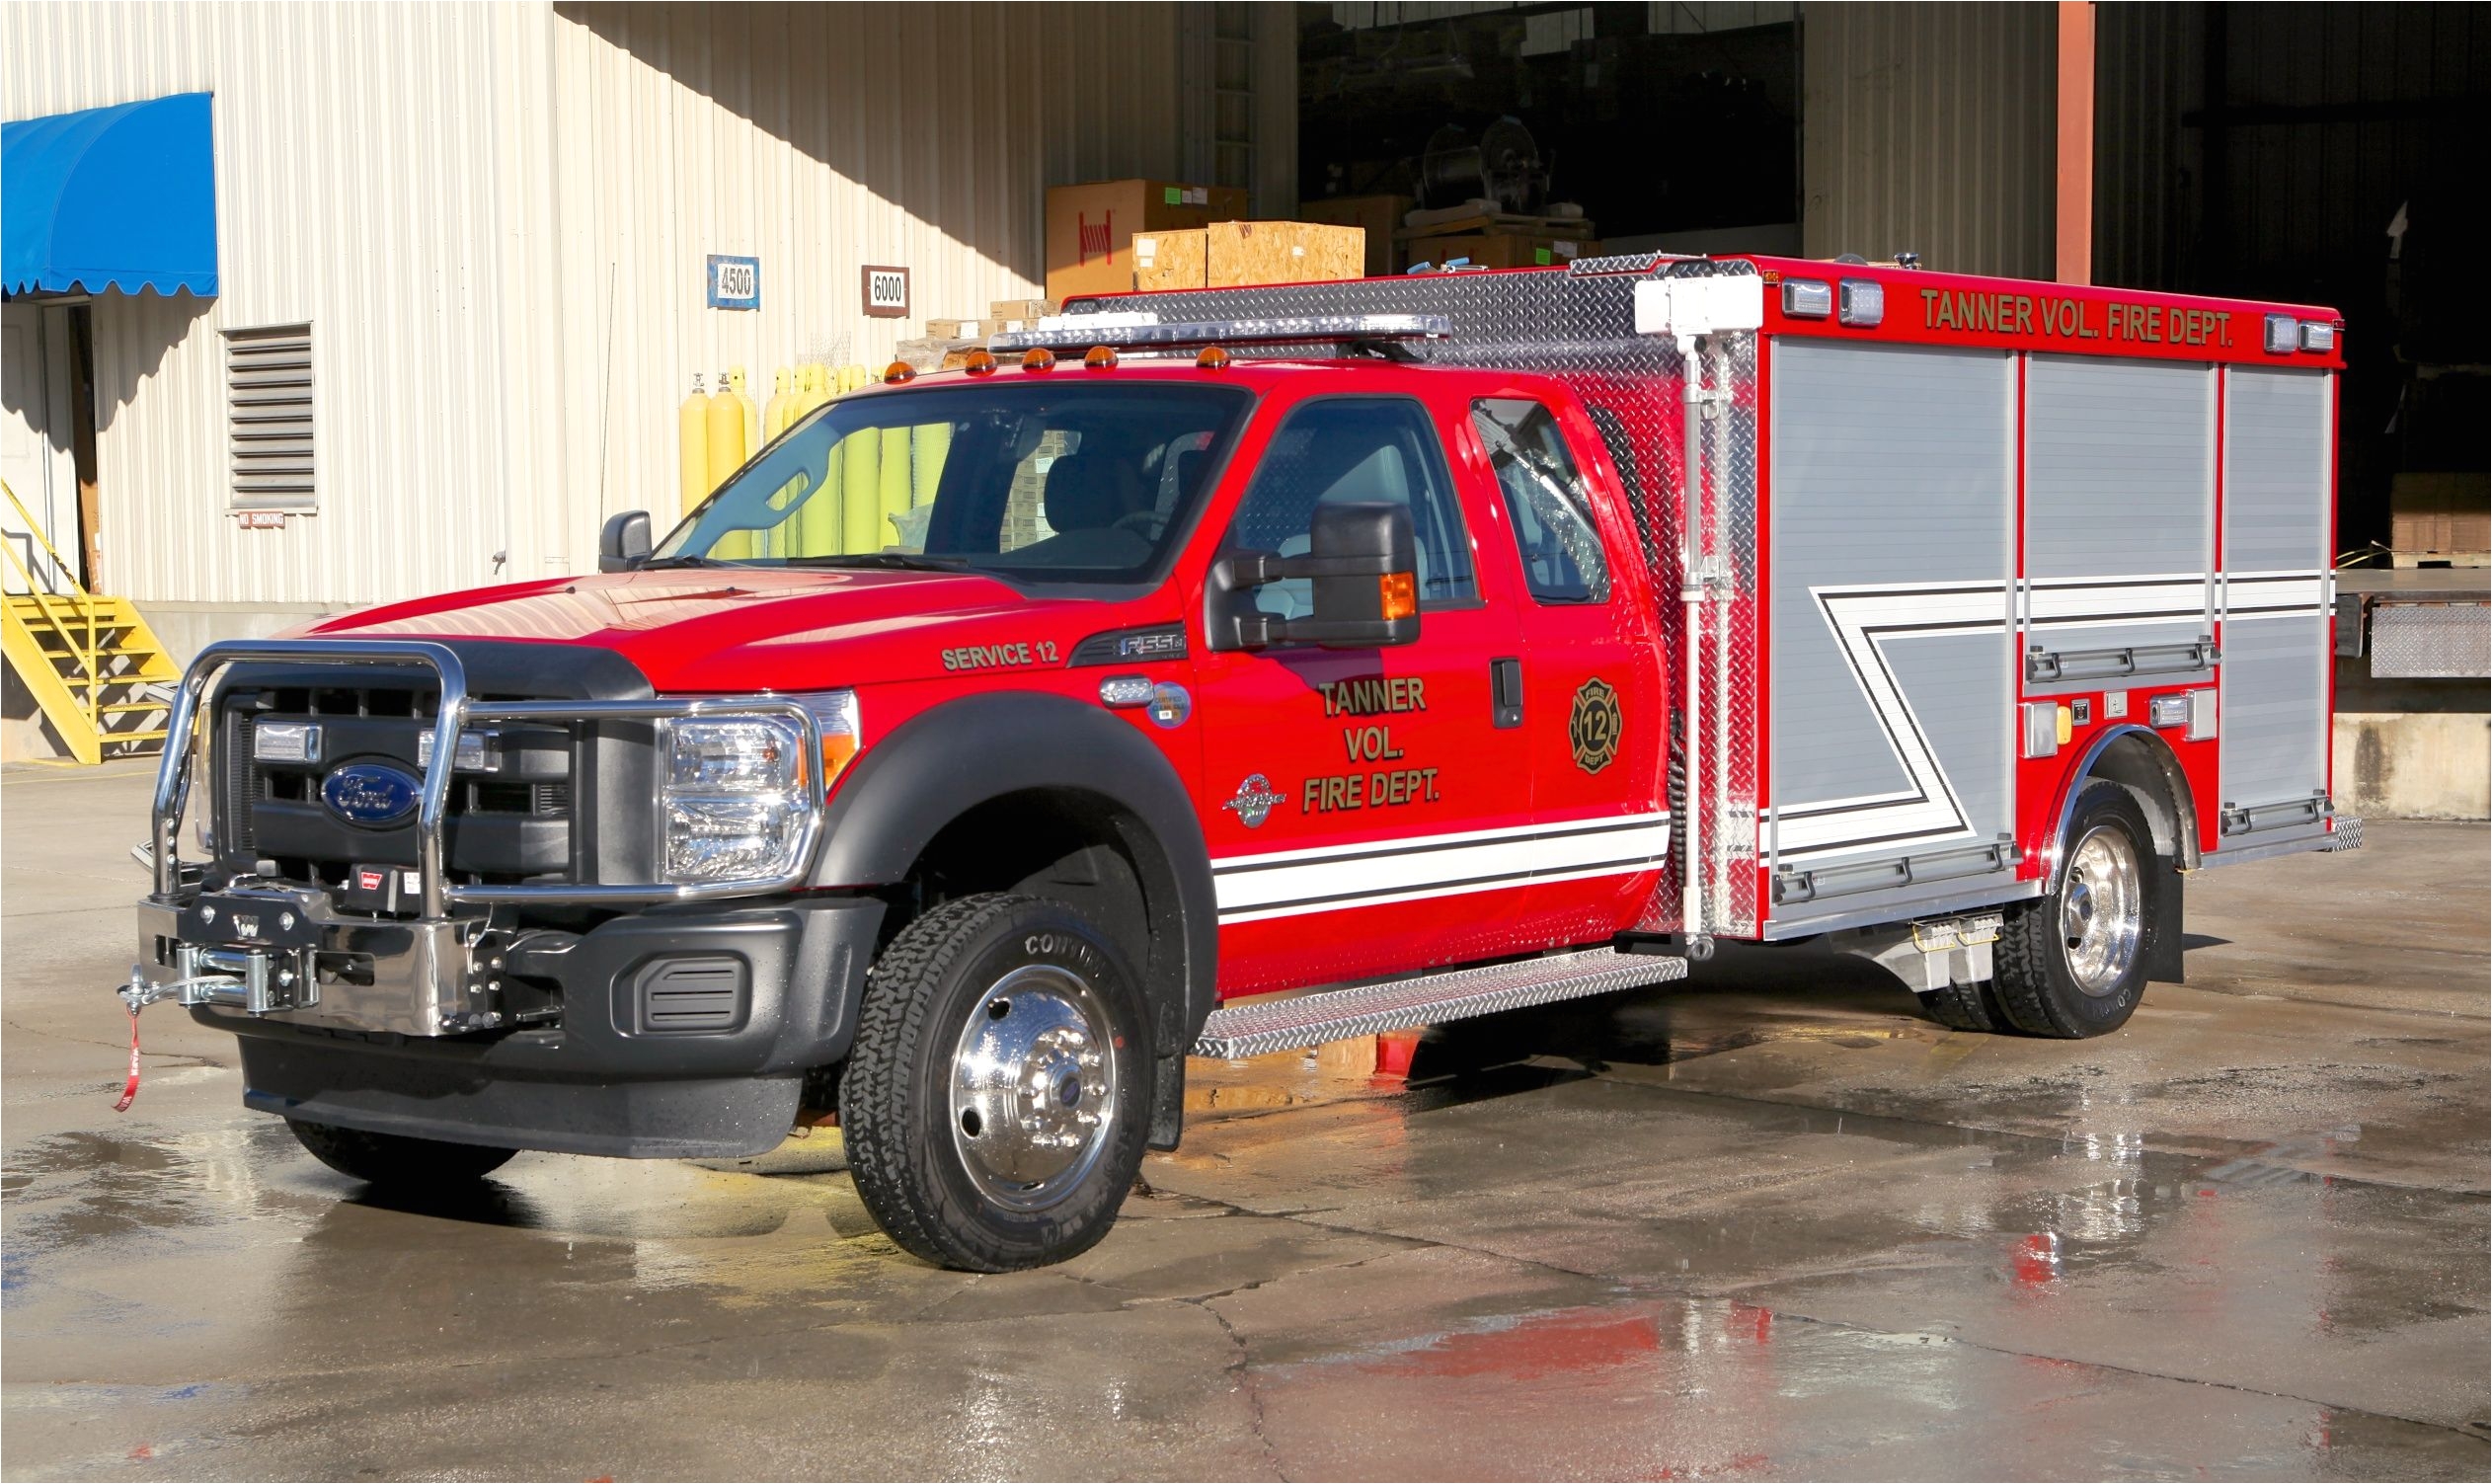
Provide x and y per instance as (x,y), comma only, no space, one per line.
(1242,1369)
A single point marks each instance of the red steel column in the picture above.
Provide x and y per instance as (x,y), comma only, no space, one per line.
(2077,142)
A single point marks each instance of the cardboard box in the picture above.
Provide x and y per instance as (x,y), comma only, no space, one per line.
(957,329)
(1022,309)
(2440,513)
(1499,252)
(1090,228)
(1379,216)
(1171,260)
(1241,253)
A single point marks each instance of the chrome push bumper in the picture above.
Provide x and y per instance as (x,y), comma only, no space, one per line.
(284,950)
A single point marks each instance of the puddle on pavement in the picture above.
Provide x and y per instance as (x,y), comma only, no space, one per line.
(1724,1389)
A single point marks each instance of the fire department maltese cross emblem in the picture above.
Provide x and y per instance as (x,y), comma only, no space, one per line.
(1593,728)
(1254,801)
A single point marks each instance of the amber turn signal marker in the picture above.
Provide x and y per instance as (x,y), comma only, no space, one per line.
(838,750)
(1399,593)
(898,371)
(1099,359)
(1039,359)
(1213,359)
(978,364)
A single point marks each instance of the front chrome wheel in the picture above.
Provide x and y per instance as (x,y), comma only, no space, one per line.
(1033,1087)
(2102,911)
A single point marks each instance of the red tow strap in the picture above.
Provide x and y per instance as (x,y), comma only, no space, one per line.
(129,1089)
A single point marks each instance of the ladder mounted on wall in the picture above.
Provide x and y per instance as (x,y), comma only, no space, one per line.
(101,675)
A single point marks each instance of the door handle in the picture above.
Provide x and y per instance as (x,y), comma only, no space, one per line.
(1504,692)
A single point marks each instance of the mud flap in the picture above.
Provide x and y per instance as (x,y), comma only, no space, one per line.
(2164,885)
(1168,1104)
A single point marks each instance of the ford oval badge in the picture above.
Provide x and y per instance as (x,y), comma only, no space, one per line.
(371,794)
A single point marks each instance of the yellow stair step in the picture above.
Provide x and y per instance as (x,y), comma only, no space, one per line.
(121,706)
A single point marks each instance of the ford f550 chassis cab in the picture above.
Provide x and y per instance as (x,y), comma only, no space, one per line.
(1225,672)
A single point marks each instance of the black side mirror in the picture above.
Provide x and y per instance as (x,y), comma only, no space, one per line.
(624,542)
(1363,564)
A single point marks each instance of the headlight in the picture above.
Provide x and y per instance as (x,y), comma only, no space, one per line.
(736,794)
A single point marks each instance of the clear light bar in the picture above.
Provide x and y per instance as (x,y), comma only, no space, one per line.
(476,755)
(1074,332)
(1807,299)
(1864,303)
(2319,335)
(283,742)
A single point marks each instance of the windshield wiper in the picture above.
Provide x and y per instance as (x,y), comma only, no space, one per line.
(686,559)
(896,560)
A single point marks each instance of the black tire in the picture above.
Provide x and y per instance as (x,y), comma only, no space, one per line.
(921,1159)
(1967,1007)
(397,1160)
(2037,973)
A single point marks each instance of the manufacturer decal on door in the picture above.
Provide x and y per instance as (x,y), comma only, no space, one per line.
(1592,727)
(1254,801)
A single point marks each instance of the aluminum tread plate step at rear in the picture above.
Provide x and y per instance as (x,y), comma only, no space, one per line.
(1259,1025)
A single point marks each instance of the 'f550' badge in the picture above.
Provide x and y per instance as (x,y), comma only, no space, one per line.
(1254,801)
(1592,727)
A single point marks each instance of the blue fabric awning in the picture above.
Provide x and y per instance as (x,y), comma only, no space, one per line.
(122,198)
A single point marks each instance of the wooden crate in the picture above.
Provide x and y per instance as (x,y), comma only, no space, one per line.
(2441,517)
(1172,260)
(1500,250)
(1379,216)
(1090,228)
(1242,253)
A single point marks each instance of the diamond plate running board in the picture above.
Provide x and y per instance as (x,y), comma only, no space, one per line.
(1255,1026)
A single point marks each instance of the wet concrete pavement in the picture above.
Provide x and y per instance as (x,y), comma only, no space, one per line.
(1773,1225)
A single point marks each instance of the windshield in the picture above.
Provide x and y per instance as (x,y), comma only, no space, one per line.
(1058,480)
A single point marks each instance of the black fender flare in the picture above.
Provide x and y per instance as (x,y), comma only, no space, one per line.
(951,758)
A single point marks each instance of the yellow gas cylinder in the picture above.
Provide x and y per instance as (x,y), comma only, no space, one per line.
(725,419)
(774,414)
(727,431)
(752,409)
(895,483)
(817,524)
(928,443)
(692,433)
(861,486)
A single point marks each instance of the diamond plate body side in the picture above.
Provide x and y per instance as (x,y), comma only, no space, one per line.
(2431,641)
(1579,326)
(1256,1027)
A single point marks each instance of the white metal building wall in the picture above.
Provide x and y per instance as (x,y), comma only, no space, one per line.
(361,187)
(820,139)
(1931,128)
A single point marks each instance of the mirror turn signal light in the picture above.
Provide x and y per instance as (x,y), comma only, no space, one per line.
(1040,358)
(1397,594)
(898,371)
(1099,359)
(978,364)
(1213,359)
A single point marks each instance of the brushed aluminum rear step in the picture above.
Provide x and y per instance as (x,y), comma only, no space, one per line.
(1255,1026)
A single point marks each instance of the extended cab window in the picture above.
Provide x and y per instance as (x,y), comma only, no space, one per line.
(1049,481)
(1545,502)
(1354,448)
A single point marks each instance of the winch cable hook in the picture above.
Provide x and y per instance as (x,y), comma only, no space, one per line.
(137,996)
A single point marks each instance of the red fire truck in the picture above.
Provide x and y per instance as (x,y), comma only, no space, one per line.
(1227,672)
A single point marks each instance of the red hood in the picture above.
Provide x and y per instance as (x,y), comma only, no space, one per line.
(711,629)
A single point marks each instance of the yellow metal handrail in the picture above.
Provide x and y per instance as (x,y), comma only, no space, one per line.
(80,599)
